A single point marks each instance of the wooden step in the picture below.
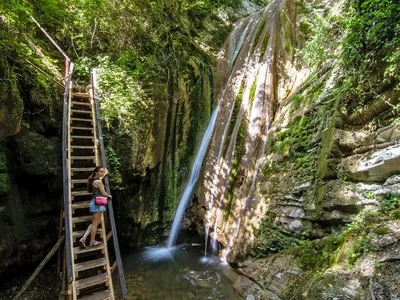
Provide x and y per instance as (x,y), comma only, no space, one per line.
(82,219)
(80,193)
(91,281)
(80,233)
(81,95)
(78,111)
(81,103)
(82,169)
(103,295)
(82,137)
(78,250)
(80,119)
(73,181)
(90,264)
(81,204)
(83,157)
(81,128)
(82,147)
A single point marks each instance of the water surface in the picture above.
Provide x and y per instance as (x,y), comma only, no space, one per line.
(180,273)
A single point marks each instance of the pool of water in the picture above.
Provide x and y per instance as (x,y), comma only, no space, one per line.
(178,273)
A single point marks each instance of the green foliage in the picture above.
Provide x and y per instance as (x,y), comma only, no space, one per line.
(373,35)
(123,100)
(115,173)
(391,203)
(319,31)
(271,240)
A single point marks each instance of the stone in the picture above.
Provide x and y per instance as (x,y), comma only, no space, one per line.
(392,180)
(375,167)
(350,140)
(245,286)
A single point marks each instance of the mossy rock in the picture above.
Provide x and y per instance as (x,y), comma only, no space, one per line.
(4,184)
(11,107)
(3,161)
(37,154)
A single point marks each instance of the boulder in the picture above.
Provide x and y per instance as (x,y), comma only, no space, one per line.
(374,167)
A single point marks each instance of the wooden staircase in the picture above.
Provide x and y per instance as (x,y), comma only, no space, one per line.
(91,267)
(87,271)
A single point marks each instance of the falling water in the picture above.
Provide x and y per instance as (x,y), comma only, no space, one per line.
(233,78)
(194,175)
(260,107)
(252,64)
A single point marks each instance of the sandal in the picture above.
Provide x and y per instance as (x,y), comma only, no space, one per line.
(82,244)
(95,243)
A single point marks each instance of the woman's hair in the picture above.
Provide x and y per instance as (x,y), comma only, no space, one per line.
(92,178)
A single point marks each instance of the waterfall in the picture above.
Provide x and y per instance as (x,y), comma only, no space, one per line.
(194,175)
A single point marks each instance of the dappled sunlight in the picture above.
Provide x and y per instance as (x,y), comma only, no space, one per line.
(247,98)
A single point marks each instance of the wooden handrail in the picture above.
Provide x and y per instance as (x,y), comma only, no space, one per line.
(67,213)
(107,186)
(67,60)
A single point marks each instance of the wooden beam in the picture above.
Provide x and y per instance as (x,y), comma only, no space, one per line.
(39,268)
(115,264)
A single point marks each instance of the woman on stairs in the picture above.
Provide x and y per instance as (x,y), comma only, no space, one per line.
(95,186)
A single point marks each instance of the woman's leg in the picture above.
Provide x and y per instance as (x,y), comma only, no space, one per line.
(95,222)
(82,241)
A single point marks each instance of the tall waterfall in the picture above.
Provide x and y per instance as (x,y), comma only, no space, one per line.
(246,101)
(194,175)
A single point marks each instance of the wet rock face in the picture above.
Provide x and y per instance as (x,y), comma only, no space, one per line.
(11,105)
(30,172)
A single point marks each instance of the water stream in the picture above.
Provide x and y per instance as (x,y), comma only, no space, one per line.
(194,175)
(182,273)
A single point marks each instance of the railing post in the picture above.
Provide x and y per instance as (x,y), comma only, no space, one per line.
(66,199)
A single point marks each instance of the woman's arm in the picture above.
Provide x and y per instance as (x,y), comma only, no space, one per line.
(100,186)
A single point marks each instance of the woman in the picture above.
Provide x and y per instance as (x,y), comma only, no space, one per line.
(95,186)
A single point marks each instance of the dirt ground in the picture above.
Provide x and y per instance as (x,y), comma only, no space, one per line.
(44,287)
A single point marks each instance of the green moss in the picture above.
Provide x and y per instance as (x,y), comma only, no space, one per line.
(235,114)
(235,173)
(264,46)
(252,92)
(258,34)
(318,254)
(381,230)
(322,164)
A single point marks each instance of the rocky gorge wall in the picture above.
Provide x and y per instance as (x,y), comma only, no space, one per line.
(323,220)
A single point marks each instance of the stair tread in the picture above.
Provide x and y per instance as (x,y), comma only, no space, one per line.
(80,95)
(82,219)
(82,169)
(80,193)
(83,157)
(81,119)
(102,295)
(80,233)
(81,111)
(82,136)
(82,147)
(79,180)
(81,128)
(78,250)
(90,264)
(81,204)
(81,103)
(91,281)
